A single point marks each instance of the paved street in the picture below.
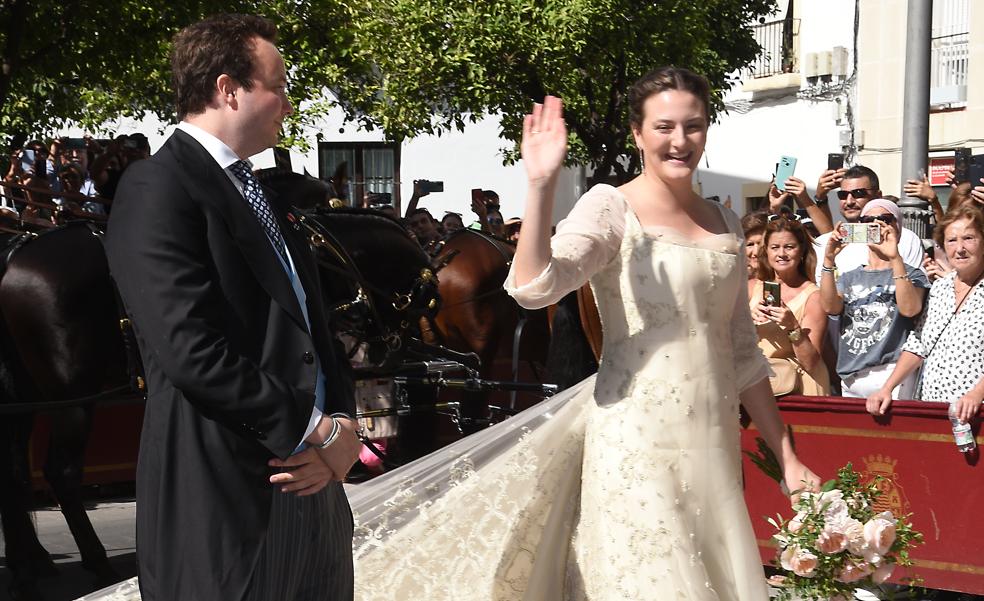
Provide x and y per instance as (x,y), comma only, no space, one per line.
(113,521)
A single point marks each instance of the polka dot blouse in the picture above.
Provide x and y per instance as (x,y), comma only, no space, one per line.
(955,347)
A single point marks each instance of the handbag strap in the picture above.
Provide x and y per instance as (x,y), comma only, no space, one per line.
(956,311)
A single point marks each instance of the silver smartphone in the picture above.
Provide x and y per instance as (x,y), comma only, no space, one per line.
(861,233)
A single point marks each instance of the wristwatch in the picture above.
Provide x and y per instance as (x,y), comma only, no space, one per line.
(795,335)
(820,201)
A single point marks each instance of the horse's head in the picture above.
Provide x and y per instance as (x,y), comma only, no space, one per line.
(376,277)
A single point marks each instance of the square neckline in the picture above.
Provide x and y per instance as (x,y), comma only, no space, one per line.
(673,232)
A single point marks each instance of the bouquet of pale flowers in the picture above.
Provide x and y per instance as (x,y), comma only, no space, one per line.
(838,542)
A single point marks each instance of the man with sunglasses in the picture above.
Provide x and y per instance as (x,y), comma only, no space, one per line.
(859,185)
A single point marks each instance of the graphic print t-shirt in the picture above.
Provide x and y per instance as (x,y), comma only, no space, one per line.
(872,330)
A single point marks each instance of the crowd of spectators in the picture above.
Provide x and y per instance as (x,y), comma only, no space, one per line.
(863,300)
(428,231)
(73,175)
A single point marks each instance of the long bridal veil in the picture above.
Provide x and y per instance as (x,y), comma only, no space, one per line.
(489,517)
(486,518)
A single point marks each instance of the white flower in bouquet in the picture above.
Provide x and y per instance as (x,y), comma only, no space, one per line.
(854,530)
(832,539)
(797,522)
(800,561)
(854,571)
(879,532)
(882,573)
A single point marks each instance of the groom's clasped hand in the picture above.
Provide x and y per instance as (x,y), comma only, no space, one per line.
(309,471)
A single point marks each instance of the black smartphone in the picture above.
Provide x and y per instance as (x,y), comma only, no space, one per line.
(975,171)
(771,294)
(961,165)
(835,161)
(74,143)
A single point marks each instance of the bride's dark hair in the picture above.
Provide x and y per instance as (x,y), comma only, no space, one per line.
(662,79)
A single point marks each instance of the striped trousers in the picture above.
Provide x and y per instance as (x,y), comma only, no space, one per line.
(308,551)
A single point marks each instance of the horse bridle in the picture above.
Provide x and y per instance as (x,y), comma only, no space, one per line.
(423,288)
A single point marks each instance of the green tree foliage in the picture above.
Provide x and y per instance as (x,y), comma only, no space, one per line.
(88,61)
(426,66)
(406,66)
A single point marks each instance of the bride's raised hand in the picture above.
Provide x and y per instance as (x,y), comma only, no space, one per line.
(544,143)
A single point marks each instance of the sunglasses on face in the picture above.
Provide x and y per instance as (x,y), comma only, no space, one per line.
(495,221)
(856,193)
(887,219)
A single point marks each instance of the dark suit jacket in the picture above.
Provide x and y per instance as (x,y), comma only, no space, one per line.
(229,367)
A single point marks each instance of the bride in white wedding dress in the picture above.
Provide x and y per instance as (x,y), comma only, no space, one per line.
(627,486)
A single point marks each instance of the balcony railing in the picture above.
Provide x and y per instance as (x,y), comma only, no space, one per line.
(776,40)
(950,59)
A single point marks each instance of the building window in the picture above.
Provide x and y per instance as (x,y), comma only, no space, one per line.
(358,169)
(950,58)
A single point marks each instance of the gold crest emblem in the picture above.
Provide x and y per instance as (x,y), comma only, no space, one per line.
(893,496)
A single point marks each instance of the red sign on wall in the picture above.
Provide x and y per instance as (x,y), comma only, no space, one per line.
(939,167)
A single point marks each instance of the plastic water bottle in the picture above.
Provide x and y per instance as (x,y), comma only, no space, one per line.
(962,433)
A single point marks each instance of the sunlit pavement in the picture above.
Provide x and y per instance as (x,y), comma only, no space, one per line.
(114,523)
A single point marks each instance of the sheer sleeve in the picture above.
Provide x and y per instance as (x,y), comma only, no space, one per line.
(587,240)
(750,364)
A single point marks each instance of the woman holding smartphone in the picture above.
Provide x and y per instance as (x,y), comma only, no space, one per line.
(877,304)
(786,309)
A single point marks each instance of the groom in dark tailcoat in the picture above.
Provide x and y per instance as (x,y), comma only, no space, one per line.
(246,435)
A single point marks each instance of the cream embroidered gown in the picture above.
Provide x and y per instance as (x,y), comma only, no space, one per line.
(624,487)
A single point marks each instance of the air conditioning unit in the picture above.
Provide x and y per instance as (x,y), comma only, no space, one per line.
(839,66)
(845,138)
(810,65)
(824,60)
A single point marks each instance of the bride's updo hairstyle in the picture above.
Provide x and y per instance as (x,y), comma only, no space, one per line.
(661,80)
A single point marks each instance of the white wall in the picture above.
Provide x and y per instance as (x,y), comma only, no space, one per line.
(743,149)
(745,145)
(462,160)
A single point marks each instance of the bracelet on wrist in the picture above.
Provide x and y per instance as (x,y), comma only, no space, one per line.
(826,269)
(904,276)
(336,429)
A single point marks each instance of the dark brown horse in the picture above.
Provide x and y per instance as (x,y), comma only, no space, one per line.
(59,340)
(478,316)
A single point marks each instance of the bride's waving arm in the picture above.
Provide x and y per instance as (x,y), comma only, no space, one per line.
(546,269)
(543,149)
